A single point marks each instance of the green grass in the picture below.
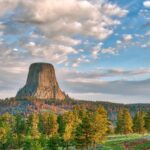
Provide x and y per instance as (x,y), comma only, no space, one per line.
(116,142)
(143,146)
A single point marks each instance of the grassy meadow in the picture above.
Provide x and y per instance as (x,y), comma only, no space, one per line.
(127,142)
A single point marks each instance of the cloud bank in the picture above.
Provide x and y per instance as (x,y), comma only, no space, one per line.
(70,34)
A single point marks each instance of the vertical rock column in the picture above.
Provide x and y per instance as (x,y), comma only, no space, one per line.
(41,83)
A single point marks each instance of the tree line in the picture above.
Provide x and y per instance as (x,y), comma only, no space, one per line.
(127,124)
(78,129)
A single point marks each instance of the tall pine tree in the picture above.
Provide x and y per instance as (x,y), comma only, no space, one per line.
(147,121)
(124,122)
(139,122)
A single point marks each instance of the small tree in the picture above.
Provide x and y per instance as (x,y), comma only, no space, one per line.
(139,122)
(3,137)
(147,121)
(84,132)
(99,125)
(7,123)
(124,122)
(53,125)
(119,124)
(32,145)
(71,121)
(33,129)
(50,124)
(19,128)
(127,122)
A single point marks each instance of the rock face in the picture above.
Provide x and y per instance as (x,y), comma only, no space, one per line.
(41,83)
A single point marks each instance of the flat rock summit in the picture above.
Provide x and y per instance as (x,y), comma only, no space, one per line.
(41,83)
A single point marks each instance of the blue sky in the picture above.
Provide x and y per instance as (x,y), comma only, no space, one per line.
(100,48)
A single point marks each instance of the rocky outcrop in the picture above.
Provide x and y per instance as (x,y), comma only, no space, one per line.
(41,83)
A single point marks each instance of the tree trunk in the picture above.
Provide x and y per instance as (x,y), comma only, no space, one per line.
(87,146)
(95,146)
(67,147)
(3,146)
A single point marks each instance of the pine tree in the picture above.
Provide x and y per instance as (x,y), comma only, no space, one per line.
(44,123)
(3,137)
(124,122)
(139,122)
(53,125)
(71,121)
(50,124)
(136,123)
(127,122)
(61,124)
(33,129)
(84,132)
(41,125)
(7,123)
(119,124)
(147,121)
(19,128)
(99,125)
(7,120)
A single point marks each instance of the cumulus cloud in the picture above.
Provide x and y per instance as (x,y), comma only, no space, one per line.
(118,42)
(97,50)
(147,33)
(146,4)
(51,51)
(81,59)
(7,5)
(77,17)
(109,50)
(64,40)
(127,37)
(113,10)
(45,29)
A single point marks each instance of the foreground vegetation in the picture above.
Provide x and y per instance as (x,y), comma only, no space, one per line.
(76,129)
(127,142)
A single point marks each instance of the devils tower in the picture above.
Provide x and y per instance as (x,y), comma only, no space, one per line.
(41,83)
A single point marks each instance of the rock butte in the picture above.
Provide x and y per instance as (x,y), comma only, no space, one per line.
(41,83)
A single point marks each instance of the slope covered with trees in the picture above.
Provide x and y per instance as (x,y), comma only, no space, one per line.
(79,128)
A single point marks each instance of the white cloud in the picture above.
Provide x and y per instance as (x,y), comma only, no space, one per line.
(101,73)
(66,40)
(81,59)
(127,37)
(7,5)
(120,87)
(146,4)
(147,33)
(118,42)
(109,50)
(96,50)
(145,45)
(31,43)
(55,53)
(75,17)
(56,28)
(114,10)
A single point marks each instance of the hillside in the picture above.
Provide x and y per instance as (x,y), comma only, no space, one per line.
(26,106)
